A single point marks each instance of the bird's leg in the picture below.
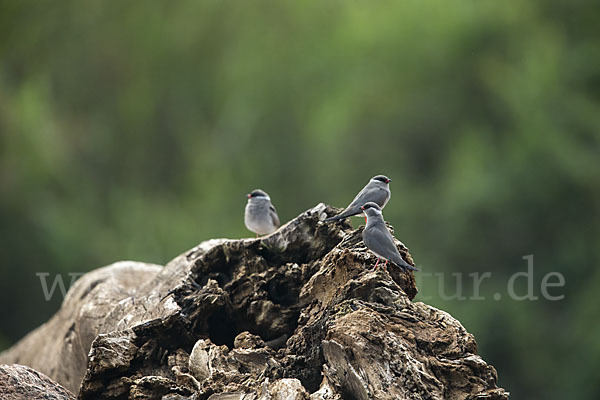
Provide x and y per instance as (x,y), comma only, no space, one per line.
(385,265)
(376,264)
(365,219)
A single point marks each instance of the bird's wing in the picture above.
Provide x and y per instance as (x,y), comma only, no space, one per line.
(379,239)
(368,193)
(372,193)
(359,200)
(273,215)
(353,208)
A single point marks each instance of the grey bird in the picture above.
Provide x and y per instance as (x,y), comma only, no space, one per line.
(260,216)
(377,191)
(379,240)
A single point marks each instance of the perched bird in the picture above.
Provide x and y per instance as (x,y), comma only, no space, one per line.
(377,191)
(379,240)
(260,216)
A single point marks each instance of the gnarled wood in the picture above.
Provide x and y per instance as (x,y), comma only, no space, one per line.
(298,314)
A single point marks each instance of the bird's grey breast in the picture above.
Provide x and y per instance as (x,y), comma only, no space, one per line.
(258,208)
(377,238)
(382,196)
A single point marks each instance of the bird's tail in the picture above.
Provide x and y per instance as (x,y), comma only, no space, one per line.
(335,218)
(342,215)
(406,266)
(410,267)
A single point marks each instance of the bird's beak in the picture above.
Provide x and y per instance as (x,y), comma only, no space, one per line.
(362,207)
(248,195)
(388,181)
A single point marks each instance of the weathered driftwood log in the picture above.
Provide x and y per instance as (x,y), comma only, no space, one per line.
(18,382)
(298,314)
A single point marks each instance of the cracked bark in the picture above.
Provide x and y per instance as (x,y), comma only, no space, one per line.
(297,314)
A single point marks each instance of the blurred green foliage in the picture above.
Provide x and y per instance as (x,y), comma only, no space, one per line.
(133,130)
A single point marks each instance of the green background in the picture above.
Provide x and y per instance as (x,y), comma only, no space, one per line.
(134,129)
